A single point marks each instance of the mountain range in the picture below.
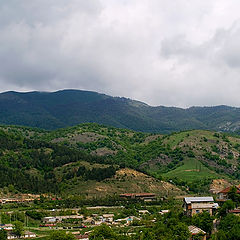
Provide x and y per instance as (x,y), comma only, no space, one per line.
(53,110)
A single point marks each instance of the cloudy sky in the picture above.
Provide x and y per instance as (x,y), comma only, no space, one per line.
(174,53)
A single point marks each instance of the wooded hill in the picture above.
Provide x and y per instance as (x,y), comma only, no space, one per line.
(95,159)
(71,107)
(30,163)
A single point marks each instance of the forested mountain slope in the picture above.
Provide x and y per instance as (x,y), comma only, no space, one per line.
(52,110)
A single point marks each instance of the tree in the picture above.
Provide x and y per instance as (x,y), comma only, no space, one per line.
(18,228)
(103,232)
(233,195)
(180,231)
(204,221)
(60,235)
(228,205)
(3,234)
(229,227)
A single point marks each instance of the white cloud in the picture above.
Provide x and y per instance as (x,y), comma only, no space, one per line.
(179,53)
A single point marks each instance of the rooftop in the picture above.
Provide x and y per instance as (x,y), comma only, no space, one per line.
(226,190)
(235,211)
(189,200)
(195,230)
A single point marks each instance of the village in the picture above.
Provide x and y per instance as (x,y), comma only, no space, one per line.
(82,221)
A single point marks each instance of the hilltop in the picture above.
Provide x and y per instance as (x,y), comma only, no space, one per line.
(52,110)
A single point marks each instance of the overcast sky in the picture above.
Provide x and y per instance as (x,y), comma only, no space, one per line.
(173,53)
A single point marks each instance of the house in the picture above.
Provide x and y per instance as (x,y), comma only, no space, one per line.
(128,220)
(28,234)
(140,196)
(223,195)
(7,227)
(197,231)
(108,217)
(75,217)
(61,218)
(49,220)
(194,205)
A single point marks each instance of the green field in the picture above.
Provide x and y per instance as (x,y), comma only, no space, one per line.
(191,170)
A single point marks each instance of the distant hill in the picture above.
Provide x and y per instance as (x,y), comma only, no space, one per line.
(52,110)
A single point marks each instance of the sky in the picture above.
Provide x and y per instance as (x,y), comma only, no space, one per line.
(174,53)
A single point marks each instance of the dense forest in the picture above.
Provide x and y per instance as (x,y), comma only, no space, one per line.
(47,110)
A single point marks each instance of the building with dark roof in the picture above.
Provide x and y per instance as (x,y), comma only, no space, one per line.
(223,195)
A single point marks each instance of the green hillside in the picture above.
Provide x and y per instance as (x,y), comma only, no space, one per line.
(187,159)
(31,163)
(191,170)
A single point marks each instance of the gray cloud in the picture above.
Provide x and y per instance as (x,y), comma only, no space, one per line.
(163,52)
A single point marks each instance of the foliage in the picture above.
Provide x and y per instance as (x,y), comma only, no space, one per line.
(60,235)
(103,232)
(18,228)
(168,227)
(228,205)
(48,111)
(3,234)
(204,221)
(233,195)
(37,215)
(229,228)
(39,161)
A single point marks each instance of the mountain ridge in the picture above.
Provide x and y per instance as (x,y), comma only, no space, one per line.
(63,108)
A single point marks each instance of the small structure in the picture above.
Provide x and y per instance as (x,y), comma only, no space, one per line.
(26,235)
(144,212)
(49,220)
(235,211)
(139,196)
(223,195)
(162,212)
(128,220)
(7,227)
(96,222)
(82,237)
(194,205)
(61,218)
(197,231)
(108,218)
(88,220)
